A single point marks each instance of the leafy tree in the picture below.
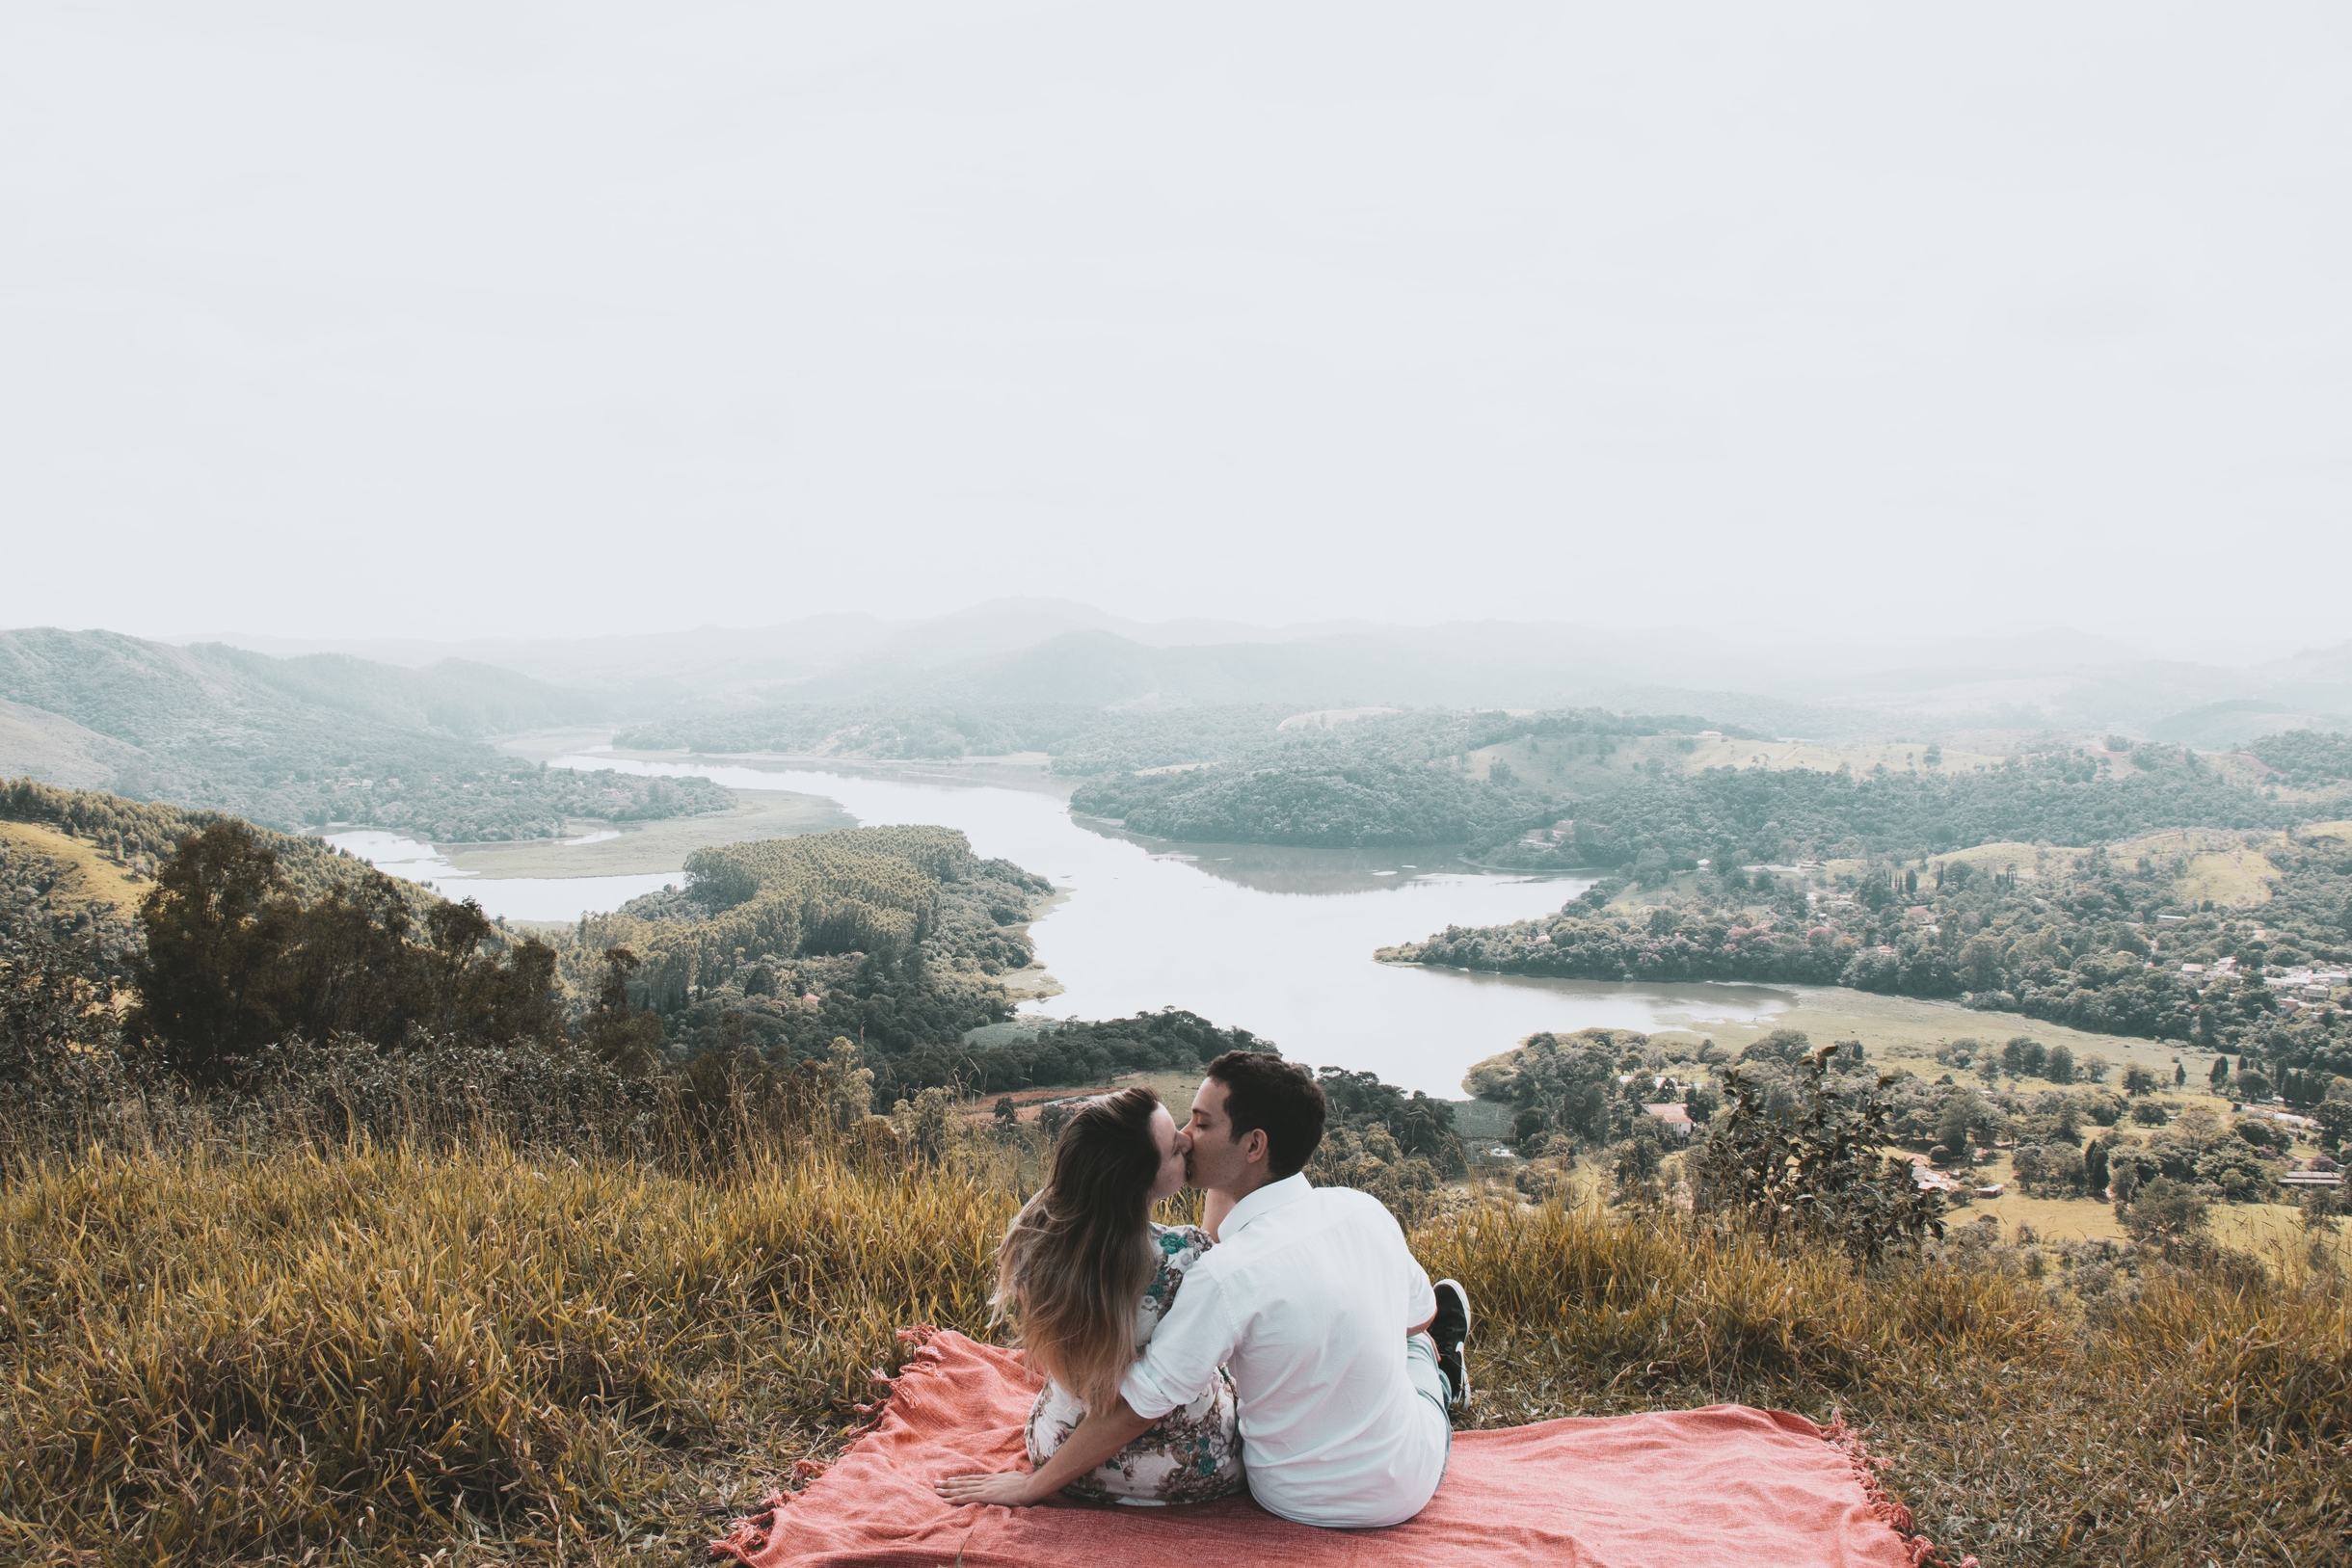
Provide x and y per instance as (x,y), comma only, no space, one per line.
(2166,1212)
(622,1036)
(2335,1119)
(212,984)
(1815,1170)
(2139,1080)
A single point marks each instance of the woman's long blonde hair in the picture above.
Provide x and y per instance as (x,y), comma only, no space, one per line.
(1074,1264)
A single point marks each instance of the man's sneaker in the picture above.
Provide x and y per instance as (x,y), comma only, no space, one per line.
(1451,1329)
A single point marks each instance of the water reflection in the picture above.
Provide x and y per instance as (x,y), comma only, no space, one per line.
(1312,872)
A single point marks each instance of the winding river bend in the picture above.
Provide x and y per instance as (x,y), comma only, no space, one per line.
(1278,940)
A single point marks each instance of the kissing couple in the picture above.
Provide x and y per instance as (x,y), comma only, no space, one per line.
(1291,1345)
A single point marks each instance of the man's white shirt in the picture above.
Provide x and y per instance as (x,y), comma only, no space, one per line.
(1306,1299)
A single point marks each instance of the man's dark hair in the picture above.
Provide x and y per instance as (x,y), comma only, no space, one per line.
(1263,1092)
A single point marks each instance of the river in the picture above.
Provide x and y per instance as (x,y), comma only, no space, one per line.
(1277,940)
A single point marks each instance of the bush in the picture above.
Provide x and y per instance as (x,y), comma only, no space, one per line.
(1813,1172)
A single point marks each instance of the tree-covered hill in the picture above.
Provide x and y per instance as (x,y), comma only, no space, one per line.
(1365,805)
(2094,939)
(2307,759)
(1750,815)
(322,739)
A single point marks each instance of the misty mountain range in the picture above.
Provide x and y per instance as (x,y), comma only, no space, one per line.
(102,709)
(1837,685)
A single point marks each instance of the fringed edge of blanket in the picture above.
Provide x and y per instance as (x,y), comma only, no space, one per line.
(1924,1553)
(750,1536)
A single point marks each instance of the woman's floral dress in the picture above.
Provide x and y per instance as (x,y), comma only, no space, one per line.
(1193,1453)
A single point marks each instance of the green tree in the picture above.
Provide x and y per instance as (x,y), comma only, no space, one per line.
(2139,1080)
(623,1037)
(211,986)
(2335,1119)
(2164,1212)
(1815,1170)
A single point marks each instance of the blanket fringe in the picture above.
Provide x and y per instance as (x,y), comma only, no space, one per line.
(747,1539)
(1924,1553)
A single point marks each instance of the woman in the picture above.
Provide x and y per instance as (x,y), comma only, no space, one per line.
(1089,1276)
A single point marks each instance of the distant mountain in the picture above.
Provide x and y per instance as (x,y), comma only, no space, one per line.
(1842,682)
(149,694)
(308,741)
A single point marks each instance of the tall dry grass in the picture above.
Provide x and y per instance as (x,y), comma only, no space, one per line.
(380,1351)
(370,1353)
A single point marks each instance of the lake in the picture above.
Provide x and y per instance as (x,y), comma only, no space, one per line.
(1277,940)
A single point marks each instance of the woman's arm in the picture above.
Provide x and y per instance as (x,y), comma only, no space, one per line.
(1099,1435)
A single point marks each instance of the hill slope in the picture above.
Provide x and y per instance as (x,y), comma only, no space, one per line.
(306,742)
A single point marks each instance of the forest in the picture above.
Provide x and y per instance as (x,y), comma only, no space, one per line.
(1750,815)
(1371,781)
(2092,941)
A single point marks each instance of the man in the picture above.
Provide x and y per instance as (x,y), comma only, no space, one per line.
(1312,1302)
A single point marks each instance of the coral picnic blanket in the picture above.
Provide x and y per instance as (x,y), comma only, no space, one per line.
(1684,1489)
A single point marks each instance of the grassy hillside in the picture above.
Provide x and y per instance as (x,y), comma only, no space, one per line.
(377,1356)
(307,742)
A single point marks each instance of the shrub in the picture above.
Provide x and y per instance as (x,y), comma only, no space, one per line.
(1814,1171)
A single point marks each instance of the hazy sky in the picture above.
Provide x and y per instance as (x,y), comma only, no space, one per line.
(335,319)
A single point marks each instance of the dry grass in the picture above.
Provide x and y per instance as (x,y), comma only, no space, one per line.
(83,876)
(382,1352)
(373,1355)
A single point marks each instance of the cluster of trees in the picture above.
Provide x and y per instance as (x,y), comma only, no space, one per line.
(1071,1053)
(1586,944)
(42,898)
(2091,942)
(1583,1094)
(1749,815)
(1365,805)
(2307,759)
(502,801)
(231,962)
(1383,779)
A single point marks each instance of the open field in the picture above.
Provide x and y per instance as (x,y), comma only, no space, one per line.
(1906,1030)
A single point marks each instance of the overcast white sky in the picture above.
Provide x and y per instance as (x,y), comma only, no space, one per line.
(553,319)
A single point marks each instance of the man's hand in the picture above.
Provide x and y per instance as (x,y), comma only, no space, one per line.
(1013,1489)
(1099,1435)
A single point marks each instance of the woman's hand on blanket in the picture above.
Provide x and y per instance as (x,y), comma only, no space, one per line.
(1012,1489)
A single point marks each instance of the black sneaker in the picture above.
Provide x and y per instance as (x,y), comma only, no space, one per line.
(1451,1329)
